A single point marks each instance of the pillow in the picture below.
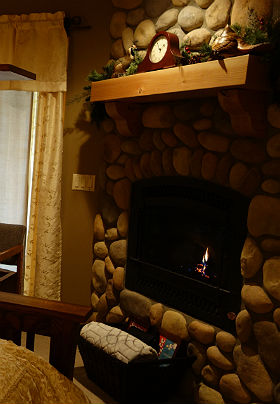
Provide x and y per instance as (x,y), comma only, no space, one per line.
(117,343)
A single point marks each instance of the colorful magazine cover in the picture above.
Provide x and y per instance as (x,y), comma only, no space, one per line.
(167,348)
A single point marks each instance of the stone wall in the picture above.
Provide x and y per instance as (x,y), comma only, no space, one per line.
(195,138)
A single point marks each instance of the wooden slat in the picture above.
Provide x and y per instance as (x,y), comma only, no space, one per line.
(201,79)
(46,307)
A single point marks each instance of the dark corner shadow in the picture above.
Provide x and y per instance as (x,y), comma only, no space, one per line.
(81,376)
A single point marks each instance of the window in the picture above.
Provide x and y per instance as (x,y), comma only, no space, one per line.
(15,140)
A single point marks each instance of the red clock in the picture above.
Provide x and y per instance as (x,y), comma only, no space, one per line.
(163,52)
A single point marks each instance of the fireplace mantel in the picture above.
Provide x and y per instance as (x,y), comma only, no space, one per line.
(240,83)
(197,80)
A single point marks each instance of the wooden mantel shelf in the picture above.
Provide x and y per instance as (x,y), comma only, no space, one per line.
(197,80)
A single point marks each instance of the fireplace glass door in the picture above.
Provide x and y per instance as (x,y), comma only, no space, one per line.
(184,245)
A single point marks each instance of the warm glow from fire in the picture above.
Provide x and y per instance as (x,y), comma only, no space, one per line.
(201,268)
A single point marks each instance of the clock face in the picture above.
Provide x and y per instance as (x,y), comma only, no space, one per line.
(159,49)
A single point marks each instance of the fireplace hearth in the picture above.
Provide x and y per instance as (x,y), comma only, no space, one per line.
(184,244)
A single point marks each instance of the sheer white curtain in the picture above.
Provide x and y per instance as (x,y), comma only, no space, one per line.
(15,124)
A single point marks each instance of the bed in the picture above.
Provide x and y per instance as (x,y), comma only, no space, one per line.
(24,376)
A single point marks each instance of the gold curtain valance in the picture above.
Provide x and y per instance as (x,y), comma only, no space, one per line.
(38,43)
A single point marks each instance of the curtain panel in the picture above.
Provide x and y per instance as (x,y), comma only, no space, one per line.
(38,43)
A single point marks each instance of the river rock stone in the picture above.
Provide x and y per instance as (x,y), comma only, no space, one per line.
(271,276)
(243,324)
(190,17)
(216,357)
(145,165)
(231,387)
(181,160)
(217,14)
(117,24)
(126,4)
(202,124)
(115,172)
(122,224)
(207,395)
(157,140)
(276,393)
(109,266)
(276,316)
(127,38)
(272,168)
(203,333)
(112,234)
(167,19)
(238,173)
(107,125)
(180,3)
(111,294)
(213,142)
(197,350)
(264,216)
(98,228)
(117,49)
(99,280)
(155,163)
(121,193)
(169,138)
(211,375)
(117,252)
(252,372)
(146,140)
(156,314)
(94,300)
(179,32)
(187,110)
(249,151)
(134,17)
(203,3)
(273,113)
(268,337)
(196,38)
(136,305)
(109,211)
(102,307)
(154,8)
(240,11)
(251,258)
(144,32)
(273,146)
(128,169)
(137,169)
(271,186)
(158,116)
(256,299)
(225,341)
(195,164)
(208,166)
(271,245)
(115,315)
(131,147)
(223,167)
(167,162)
(118,278)
(186,134)
(174,326)
(100,249)
(208,107)
(109,187)
(112,148)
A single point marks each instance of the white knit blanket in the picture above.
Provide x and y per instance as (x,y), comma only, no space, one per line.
(117,343)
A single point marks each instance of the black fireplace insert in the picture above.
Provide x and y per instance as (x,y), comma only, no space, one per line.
(184,244)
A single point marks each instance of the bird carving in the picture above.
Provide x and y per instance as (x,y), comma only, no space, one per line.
(230,44)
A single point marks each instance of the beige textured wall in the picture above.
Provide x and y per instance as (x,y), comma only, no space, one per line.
(88,49)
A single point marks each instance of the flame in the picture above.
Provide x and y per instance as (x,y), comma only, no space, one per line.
(201,268)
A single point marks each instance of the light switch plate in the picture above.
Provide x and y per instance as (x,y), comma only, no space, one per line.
(83,182)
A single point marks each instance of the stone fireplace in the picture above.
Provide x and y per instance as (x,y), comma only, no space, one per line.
(229,139)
